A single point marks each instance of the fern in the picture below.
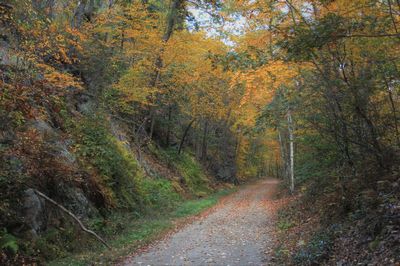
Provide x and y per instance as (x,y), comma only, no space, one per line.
(8,242)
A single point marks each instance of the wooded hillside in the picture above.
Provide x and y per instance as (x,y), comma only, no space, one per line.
(121,109)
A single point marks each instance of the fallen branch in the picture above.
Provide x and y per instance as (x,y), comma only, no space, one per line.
(74,217)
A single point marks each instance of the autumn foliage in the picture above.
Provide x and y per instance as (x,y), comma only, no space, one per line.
(126,102)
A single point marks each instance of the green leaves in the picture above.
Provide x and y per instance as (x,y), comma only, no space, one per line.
(307,38)
(117,167)
(8,242)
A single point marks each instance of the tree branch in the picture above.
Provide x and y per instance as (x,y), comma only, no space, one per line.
(6,5)
(73,216)
(368,35)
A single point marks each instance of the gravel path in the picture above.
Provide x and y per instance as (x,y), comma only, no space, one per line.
(235,233)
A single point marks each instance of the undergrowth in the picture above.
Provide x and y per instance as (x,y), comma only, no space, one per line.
(118,170)
(315,251)
(192,174)
(127,232)
(129,197)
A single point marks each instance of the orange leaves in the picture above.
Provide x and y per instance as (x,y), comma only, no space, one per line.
(351,8)
(262,83)
(57,79)
(260,86)
(132,28)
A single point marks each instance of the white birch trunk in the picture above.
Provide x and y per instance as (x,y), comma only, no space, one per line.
(284,156)
(291,149)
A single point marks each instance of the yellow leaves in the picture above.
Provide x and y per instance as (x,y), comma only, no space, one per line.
(255,39)
(192,49)
(63,55)
(140,95)
(189,76)
(350,8)
(75,32)
(262,83)
(133,26)
(260,86)
(57,79)
(134,85)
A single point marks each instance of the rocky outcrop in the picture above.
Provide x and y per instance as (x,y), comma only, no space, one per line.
(119,132)
(84,103)
(78,203)
(33,212)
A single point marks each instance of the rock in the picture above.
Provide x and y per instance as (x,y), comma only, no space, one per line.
(85,104)
(62,151)
(34,211)
(120,133)
(57,147)
(6,57)
(44,128)
(77,203)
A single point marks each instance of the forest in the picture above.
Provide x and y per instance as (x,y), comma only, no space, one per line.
(120,119)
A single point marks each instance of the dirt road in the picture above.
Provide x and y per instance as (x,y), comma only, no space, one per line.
(235,233)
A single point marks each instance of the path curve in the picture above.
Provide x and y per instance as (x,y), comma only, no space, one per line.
(235,233)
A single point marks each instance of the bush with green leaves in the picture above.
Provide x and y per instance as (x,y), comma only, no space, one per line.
(114,163)
(190,170)
(159,194)
(8,242)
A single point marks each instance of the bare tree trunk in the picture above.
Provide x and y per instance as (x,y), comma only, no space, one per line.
(110,3)
(184,136)
(393,106)
(284,156)
(84,10)
(204,142)
(277,168)
(291,149)
(176,5)
(168,126)
(152,122)
(391,16)
(122,38)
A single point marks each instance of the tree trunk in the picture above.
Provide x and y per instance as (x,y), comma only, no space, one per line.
(152,122)
(84,10)
(393,106)
(184,136)
(291,149)
(204,142)
(284,156)
(171,22)
(168,126)
(78,14)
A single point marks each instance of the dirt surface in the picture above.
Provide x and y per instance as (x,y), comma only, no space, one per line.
(237,232)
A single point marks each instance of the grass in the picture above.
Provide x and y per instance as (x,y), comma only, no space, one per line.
(139,232)
(284,225)
(191,171)
(194,207)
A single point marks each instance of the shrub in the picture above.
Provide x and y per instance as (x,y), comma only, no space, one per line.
(159,194)
(8,242)
(191,171)
(117,167)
